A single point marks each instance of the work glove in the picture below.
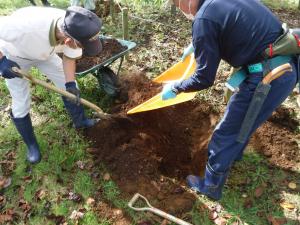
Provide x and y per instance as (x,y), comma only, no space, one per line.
(169,91)
(72,88)
(6,66)
(187,51)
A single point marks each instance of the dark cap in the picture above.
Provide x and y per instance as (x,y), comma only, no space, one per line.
(83,26)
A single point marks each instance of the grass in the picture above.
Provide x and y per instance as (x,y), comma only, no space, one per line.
(290,4)
(46,186)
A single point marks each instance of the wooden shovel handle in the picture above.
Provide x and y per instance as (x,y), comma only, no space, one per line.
(28,77)
(277,72)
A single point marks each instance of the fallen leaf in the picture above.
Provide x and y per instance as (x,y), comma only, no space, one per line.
(292,185)
(259,191)
(7,216)
(57,219)
(248,203)
(117,212)
(80,164)
(227,216)
(2,201)
(24,206)
(218,208)
(4,182)
(220,221)
(76,215)
(90,201)
(276,220)
(75,197)
(40,194)
(213,215)
(287,205)
(106,177)
(27,178)
(165,222)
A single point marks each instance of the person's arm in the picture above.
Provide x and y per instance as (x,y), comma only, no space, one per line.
(207,55)
(187,51)
(69,66)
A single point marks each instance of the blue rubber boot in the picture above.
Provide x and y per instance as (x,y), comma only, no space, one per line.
(77,114)
(24,126)
(211,185)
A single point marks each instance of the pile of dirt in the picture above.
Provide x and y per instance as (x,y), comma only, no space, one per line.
(277,141)
(111,47)
(152,152)
(148,147)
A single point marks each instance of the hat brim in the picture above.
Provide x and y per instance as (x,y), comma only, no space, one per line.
(91,48)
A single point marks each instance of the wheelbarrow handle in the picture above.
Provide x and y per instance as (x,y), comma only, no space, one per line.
(28,77)
(154,210)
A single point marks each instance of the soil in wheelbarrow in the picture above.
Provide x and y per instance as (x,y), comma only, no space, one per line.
(111,47)
(154,151)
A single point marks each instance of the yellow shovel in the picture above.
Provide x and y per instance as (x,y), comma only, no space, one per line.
(178,72)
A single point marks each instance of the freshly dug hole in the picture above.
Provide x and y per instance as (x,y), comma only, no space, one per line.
(145,153)
(169,142)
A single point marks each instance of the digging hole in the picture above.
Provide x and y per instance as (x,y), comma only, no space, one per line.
(145,153)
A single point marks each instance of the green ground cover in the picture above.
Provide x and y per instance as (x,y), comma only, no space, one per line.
(43,194)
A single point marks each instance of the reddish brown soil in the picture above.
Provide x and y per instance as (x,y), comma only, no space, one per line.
(142,151)
(145,152)
(111,47)
(278,144)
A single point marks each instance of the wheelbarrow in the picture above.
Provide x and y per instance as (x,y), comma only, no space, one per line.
(107,79)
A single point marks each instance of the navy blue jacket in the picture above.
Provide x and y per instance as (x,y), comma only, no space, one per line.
(236,31)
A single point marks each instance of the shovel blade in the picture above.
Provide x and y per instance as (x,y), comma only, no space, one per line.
(156,102)
(180,71)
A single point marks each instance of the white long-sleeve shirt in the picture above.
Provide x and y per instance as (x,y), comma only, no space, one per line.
(30,33)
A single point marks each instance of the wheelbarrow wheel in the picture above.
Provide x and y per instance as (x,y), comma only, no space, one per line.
(109,81)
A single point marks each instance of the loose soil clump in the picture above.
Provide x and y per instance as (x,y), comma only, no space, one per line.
(111,47)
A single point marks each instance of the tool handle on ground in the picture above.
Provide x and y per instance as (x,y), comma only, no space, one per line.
(135,198)
(26,76)
(277,72)
(168,216)
(154,210)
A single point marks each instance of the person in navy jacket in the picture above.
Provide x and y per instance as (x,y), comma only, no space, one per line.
(236,31)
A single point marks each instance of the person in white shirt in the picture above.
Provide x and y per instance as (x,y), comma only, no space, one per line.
(32,37)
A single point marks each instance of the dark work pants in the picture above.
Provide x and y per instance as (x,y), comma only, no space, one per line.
(223,148)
